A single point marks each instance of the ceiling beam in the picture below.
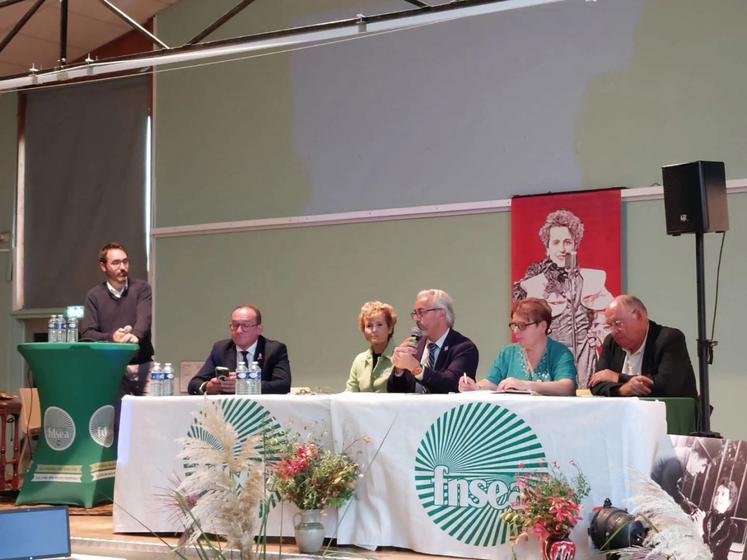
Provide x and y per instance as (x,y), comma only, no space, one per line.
(274,40)
(4,3)
(135,25)
(19,25)
(63,33)
(220,21)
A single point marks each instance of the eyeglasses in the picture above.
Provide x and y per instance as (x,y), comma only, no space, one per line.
(514,326)
(617,324)
(118,263)
(242,326)
(418,313)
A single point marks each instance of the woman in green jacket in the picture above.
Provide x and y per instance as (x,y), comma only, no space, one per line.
(371,369)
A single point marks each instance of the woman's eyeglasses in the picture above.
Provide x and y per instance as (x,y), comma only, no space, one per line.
(515,326)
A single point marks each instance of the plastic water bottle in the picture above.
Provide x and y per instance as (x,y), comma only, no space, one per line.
(72,329)
(167,387)
(156,381)
(255,379)
(52,328)
(61,329)
(242,379)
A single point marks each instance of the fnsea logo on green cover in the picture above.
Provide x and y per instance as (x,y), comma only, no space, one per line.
(466,467)
(59,428)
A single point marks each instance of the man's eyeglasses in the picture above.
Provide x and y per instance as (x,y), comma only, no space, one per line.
(118,263)
(617,324)
(418,313)
(516,326)
(242,326)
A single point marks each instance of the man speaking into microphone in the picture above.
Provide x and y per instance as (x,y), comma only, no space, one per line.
(432,359)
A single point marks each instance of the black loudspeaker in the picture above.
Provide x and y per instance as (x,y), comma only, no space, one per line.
(695,197)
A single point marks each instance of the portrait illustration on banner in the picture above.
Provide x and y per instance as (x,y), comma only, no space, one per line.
(566,250)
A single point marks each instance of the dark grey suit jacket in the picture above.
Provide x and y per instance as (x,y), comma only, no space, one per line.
(665,360)
(458,356)
(271,355)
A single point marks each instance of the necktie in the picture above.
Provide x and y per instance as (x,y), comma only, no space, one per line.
(432,349)
(243,357)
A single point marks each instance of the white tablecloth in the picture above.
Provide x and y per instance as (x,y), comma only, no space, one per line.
(439,468)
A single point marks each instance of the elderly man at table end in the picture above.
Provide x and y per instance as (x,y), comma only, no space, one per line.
(435,362)
(641,358)
(248,345)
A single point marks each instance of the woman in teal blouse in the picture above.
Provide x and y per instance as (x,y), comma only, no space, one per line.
(370,370)
(536,362)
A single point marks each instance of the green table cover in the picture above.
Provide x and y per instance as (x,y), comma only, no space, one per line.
(682,414)
(79,386)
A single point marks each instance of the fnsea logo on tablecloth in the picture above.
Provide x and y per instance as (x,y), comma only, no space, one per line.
(249,418)
(466,467)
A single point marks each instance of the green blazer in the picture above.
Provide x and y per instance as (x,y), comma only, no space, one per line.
(364,378)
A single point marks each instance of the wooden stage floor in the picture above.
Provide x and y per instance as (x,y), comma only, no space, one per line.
(91,532)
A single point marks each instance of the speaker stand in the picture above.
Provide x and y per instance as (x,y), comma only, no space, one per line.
(705,345)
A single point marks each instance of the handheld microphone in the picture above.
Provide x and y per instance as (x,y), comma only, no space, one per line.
(571,261)
(416,333)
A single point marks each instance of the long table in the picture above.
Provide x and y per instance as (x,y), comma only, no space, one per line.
(439,469)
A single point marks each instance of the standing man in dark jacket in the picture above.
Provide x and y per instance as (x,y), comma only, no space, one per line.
(641,358)
(119,310)
(435,363)
(247,345)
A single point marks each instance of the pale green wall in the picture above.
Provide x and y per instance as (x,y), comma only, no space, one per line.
(670,87)
(555,97)
(624,88)
(310,284)
(661,270)
(677,100)
(234,121)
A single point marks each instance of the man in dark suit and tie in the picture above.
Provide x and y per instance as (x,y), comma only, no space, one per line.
(435,363)
(641,358)
(247,345)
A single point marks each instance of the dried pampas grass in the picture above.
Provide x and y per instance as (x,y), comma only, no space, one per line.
(223,492)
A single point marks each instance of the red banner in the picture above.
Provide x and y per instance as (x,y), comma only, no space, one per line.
(565,248)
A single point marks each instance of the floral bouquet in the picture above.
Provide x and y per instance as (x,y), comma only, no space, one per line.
(548,504)
(313,477)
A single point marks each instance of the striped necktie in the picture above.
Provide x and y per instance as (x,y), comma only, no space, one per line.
(432,349)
